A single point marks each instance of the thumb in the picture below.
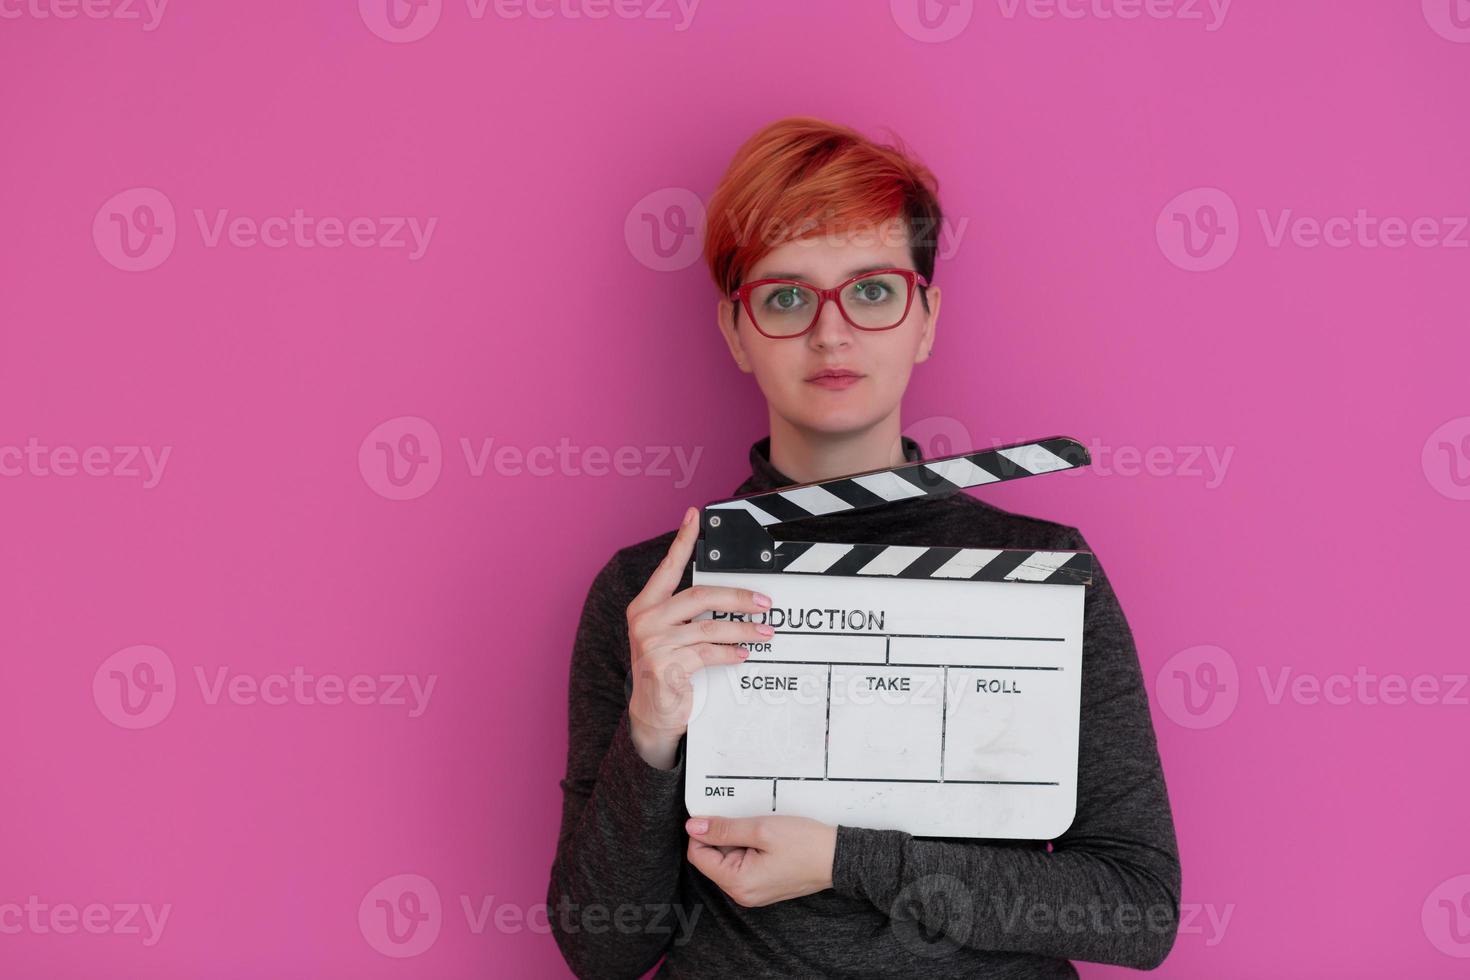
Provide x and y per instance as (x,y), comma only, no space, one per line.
(724,831)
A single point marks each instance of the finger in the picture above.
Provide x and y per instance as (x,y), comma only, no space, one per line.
(719,864)
(707,860)
(690,659)
(727,831)
(666,577)
(718,631)
(684,606)
(673,670)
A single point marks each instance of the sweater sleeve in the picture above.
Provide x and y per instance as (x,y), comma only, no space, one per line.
(1108,889)
(621,843)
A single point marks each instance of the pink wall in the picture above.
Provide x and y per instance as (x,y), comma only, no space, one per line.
(1281,429)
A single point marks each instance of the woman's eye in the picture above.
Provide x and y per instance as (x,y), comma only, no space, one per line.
(785,299)
(872,292)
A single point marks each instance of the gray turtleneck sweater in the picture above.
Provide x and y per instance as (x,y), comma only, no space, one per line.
(623,894)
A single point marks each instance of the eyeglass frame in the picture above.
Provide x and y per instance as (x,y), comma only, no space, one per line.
(913,277)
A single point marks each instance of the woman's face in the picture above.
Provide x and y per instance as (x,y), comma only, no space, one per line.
(787,369)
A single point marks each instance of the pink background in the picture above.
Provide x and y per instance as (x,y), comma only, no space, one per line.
(1331,835)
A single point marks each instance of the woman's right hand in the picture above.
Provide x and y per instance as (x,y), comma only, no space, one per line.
(666,648)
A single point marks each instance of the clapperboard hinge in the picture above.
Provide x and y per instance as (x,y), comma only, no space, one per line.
(735,533)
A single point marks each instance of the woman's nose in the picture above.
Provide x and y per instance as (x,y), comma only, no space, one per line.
(831,330)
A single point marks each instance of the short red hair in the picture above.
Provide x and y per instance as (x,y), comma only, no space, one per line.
(802,176)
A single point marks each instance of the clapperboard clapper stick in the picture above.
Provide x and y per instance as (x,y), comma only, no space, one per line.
(926,688)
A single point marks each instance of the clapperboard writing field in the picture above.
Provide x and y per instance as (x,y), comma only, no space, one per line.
(935,690)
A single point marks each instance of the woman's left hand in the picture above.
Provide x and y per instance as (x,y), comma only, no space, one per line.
(760,860)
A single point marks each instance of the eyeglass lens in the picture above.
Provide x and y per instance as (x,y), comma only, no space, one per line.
(874,302)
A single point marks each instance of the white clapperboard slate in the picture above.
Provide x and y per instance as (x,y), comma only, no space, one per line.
(934,690)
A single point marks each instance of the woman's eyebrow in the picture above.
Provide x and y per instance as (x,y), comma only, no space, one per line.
(797,275)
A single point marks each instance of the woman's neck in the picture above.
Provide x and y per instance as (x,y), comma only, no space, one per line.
(809,457)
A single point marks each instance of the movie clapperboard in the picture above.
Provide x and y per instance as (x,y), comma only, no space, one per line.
(935,690)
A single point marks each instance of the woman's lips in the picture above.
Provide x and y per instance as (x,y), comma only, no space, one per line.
(836,381)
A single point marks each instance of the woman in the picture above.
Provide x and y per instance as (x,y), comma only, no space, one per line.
(636,878)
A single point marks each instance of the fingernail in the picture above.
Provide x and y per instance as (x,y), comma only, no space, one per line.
(688,516)
(762,600)
(765,629)
(697,826)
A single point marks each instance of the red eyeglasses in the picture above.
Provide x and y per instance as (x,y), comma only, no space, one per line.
(786,308)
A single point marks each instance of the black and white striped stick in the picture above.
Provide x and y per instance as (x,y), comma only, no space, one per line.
(734,535)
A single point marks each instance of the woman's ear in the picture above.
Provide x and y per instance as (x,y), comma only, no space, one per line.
(725,315)
(931,324)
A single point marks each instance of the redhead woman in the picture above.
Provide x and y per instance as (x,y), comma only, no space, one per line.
(822,247)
